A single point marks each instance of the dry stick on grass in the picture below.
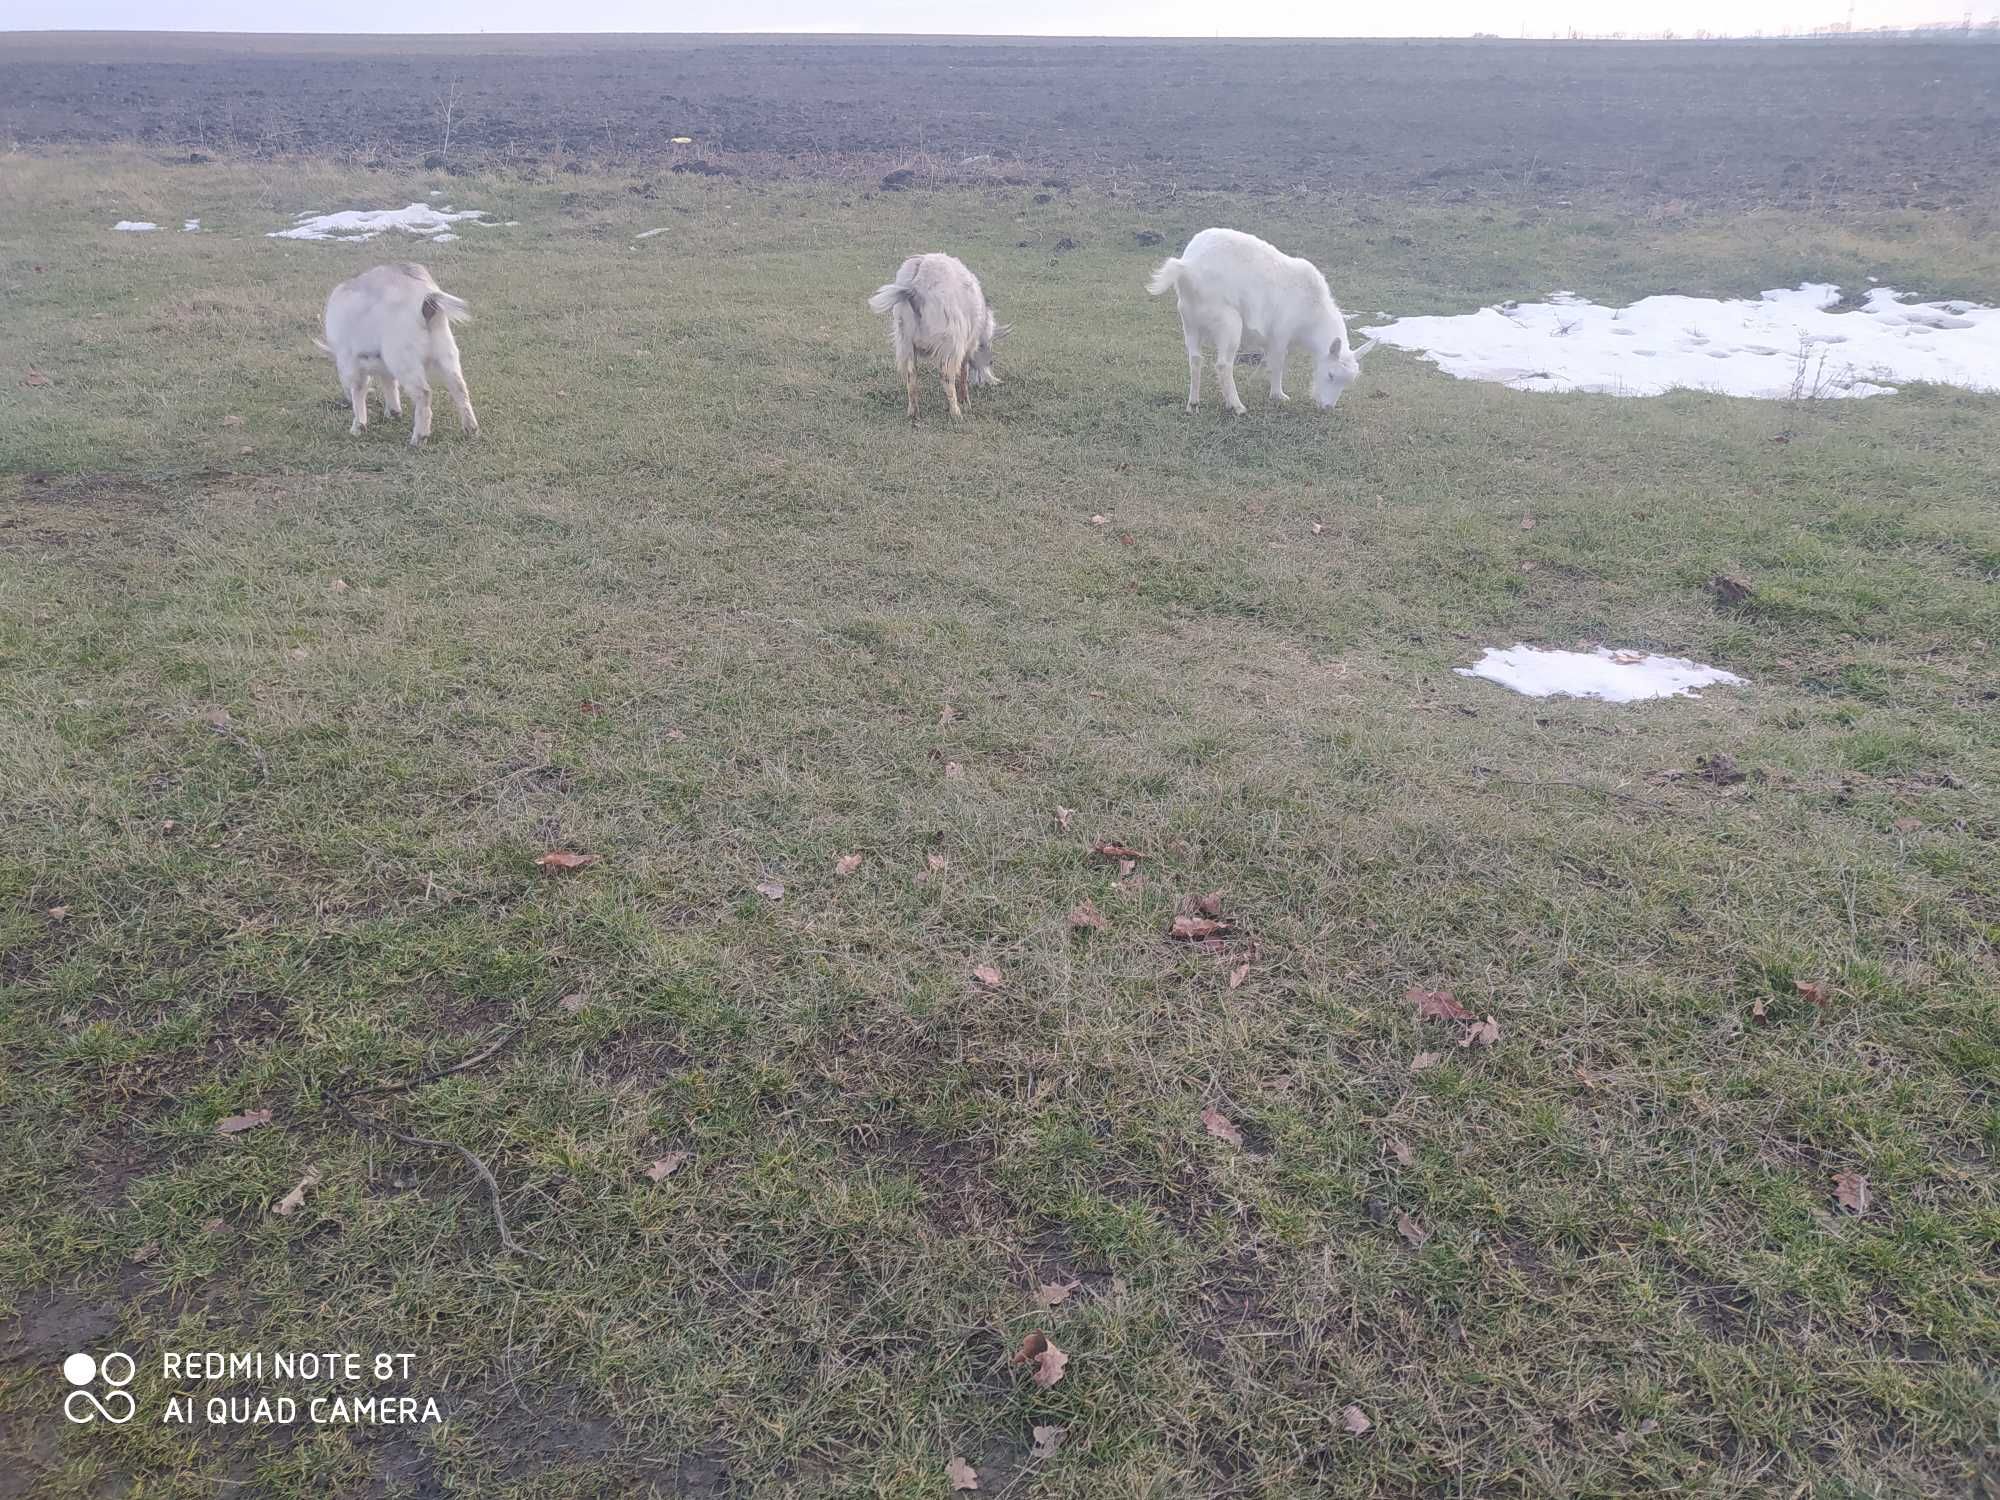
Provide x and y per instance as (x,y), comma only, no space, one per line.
(485,1173)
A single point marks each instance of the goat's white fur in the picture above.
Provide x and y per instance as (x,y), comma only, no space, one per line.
(393,324)
(1235,290)
(938,310)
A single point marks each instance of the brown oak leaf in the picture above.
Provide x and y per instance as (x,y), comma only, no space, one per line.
(1104,849)
(237,1124)
(960,1475)
(1437,1005)
(1086,914)
(1355,1420)
(1047,1440)
(1053,1293)
(987,975)
(1039,1352)
(293,1201)
(771,890)
(1850,1189)
(1424,1060)
(1411,1230)
(1063,815)
(1481,1033)
(1219,1125)
(847,864)
(667,1165)
(563,859)
(1198,929)
(1813,989)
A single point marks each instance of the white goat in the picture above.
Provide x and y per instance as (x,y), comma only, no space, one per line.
(937,309)
(394,324)
(1235,289)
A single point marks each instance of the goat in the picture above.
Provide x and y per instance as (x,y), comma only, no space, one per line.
(1235,288)
(393,323)
(937,309)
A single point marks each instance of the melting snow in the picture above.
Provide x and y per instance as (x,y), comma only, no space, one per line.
(443,239)
(134,226)
(190,226)
(365,224)
(647,234)
(1614,676)
(1784,344)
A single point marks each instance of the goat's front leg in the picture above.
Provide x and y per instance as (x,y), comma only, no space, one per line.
(392,398)
(357,398)
(1274,361)
(964,387)
(950,375)
(420,424)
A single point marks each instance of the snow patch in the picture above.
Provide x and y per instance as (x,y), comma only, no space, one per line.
(1783,345)
(365,224)
(134,226)
(1614,676)
(443,239)
(190,226)
(647,234)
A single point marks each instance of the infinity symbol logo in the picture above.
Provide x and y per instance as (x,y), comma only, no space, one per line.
(80,1369)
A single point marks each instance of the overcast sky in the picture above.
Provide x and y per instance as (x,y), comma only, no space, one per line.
(1021,18)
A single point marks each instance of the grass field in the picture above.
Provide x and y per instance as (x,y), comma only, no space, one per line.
(289,717)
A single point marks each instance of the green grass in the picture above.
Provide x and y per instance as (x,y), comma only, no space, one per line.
(695,503)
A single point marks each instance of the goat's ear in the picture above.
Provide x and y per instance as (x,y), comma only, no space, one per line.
(1338,343)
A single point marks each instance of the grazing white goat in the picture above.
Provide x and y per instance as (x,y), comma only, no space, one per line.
(1236,289)
(937,309)
(394,324)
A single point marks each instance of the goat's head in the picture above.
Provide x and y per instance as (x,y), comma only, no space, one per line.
(1335,368)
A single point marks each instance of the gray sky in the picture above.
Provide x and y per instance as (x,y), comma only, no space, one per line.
(1021,18)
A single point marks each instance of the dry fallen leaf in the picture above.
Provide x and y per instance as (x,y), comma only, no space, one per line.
(946,715)
(677,735)
(1481,1033)
(563,859)
(34,377)
(1086,914)
(667,1165)
(1100,520)
(168,825)
(1411,1230)
(1851,1190)
(1106,850)
(1039,1351)
(935,861)
(1527,523)
(771,890)
(1063,815)
(960,1475)
(1729,590)
(232,420)
(214,1226)
(572,1003)
(1217,1124)
(1425,1060)
(1211,904)
(216,718)
(1047,1440)
(1404,1153)
(1127,866)
(1813,989)
(237,1124)
(987,975)
(339,585)
(1053,1293)
(1197,929)
(1908,825)
(1238,974)
(1437,1005)
(590,708)
(1355,1420)
(1757,1010)
(847,864)
(57,913)
(1317,528)
(246,450)
(286,1206)
(953,771)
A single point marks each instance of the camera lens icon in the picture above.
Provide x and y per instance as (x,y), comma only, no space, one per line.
(116,1369)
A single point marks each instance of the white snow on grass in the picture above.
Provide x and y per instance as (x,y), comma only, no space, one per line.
(134,226)
(1784,345)
(1614,676)
(443,239)
(647,234)
(190,226)
(365,223)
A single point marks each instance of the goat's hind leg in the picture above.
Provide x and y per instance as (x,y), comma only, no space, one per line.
(357,398)
(1228,337)
(1192,337)
(950,375)
(910,385)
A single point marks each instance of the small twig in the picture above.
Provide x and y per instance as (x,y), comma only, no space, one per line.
(420,1080)
(339,1103)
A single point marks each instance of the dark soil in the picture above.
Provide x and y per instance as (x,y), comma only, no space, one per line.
(1895,124)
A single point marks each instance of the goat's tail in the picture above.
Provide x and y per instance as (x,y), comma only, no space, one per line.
(888,296)
(445,303)
(1167,277)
